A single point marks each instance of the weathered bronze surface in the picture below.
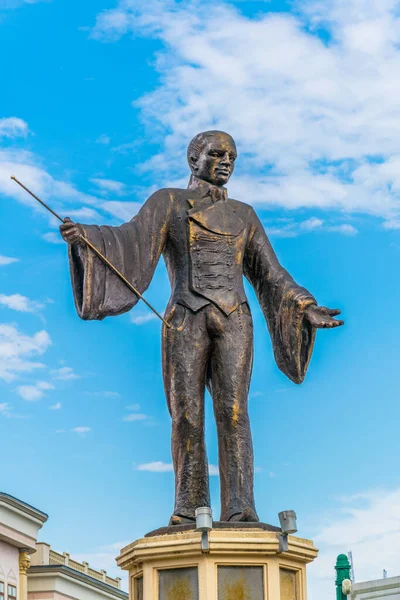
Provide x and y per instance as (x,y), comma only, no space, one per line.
(208,241)
(240,583)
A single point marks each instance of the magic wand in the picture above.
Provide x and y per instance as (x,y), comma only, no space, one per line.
(97,253)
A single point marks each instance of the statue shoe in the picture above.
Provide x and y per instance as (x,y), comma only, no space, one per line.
(247,516)
(180,520)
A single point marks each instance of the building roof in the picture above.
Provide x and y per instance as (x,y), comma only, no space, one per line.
(63,570)
(24,506)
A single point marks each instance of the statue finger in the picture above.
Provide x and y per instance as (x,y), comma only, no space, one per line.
(333,312)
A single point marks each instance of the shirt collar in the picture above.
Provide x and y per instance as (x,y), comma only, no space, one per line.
(204,189)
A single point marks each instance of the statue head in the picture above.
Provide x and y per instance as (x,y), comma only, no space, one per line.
(211,156)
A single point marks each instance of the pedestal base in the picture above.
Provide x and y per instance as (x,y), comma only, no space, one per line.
(240,564)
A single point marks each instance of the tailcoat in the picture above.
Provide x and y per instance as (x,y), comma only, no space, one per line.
(208,242)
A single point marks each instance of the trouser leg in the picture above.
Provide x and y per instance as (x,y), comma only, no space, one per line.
(231,365)
(185,356)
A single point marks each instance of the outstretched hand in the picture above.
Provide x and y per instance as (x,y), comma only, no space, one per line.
(322,317)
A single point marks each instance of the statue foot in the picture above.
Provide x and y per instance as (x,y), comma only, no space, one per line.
(180,520)
(247,516)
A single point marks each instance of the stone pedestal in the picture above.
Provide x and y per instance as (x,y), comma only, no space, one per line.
(240,564)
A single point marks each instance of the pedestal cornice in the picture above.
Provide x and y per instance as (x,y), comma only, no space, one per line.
(222,542)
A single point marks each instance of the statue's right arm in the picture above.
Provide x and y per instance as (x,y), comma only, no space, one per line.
(133,248)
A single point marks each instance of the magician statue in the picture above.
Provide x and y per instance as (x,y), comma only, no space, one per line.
(209,241)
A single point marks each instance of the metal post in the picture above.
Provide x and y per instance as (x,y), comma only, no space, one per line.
(342,572)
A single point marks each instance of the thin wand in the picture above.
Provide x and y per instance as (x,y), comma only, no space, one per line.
(98,253)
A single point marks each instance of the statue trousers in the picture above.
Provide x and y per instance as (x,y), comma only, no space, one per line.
(209,348)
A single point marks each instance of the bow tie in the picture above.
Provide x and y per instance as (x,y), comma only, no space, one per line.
(217,194)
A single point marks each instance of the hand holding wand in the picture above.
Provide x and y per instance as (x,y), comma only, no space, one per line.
(97,253)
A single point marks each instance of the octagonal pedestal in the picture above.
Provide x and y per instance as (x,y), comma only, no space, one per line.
(240,564)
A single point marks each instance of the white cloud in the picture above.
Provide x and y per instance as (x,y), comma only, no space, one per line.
(16,350)
(311,224)
(110,185)
(392,224)
(64,374)
(346,229)
(56,406)
(133,407)
(5,408)
(104,558)
(135,417)
(368,524)
(20,303)
(53,238)
(156,467)
(81,429)
(13,127)
(85,212)
(7,260)
(318,121)
(142,318)
(162,467)
(213,470)
(103,139)
(105,394)
(28,169)
(31,393)
(124,211)
(291,228)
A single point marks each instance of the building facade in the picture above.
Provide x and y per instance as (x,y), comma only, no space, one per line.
(387,589)
(32,570)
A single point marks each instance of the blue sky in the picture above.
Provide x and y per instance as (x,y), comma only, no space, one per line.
(98,103)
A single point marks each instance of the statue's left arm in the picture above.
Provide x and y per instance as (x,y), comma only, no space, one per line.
(291,312)
(134,249)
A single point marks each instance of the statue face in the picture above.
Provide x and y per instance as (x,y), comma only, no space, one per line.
(216,161)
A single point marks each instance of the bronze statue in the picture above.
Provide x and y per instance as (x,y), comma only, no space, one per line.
(208,241)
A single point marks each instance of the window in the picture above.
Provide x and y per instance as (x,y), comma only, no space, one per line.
(12,592)
(240,582)
(288,580)
(182,584)
(1,590)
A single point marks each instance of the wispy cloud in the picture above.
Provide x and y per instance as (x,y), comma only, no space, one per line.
(56,406)
(103,139)
(292,228)
(162,467)
(32,393)
(321,122)
(20,303)
(142,318)
(155,467)
(104,394)
(368,524)
(53,238)
(81,430)
(64,374)
(123,211)
(16,350)
(7,260)
(13,127)
(135,417)
(110,185)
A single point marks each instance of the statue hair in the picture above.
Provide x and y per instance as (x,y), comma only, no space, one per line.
(199,141)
